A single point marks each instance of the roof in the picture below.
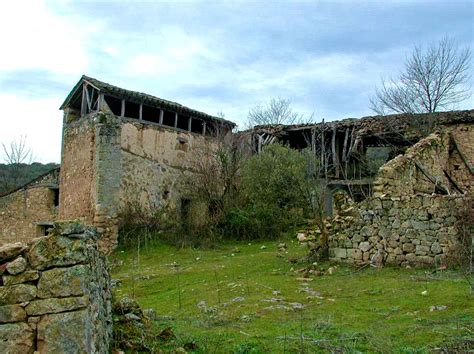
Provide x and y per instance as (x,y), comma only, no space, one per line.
(138,97)
(373,124)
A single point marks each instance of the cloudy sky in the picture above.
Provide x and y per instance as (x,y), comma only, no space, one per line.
(325,56)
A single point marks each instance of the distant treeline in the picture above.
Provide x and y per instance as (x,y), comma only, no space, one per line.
(15,175)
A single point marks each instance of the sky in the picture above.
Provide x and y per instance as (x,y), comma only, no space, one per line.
(326,57)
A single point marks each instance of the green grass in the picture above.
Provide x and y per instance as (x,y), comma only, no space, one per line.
(370,310)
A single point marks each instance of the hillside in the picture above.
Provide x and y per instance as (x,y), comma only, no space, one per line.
(15,175)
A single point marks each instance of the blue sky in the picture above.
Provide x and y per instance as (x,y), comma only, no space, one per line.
(325,56)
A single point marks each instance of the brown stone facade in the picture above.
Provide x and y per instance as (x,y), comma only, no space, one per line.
(77,176)
(408,221)
(30,210)
(109,162)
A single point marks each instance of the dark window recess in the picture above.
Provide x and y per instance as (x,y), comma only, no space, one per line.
(182,122)
(43,230)
(55,192)
(151,114)
(185,207)
(132,110)
(114,104)
(196,126)
(168,118)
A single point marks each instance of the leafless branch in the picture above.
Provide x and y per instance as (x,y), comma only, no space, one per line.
(434,78)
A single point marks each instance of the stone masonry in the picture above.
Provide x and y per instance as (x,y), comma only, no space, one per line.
(55,294)
(24,212)
(408,221)
(407,230)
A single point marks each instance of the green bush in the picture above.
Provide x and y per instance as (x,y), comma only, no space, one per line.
(274,195)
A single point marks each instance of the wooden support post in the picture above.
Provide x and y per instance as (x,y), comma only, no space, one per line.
(122,110)
(439,188)
(344,147)
(84,100)
(140,112)
(176,119)
(335,159)
(461,154)
(190,122)
(100,101)
(259,148)
(323,151)
(203,128)
(161,117)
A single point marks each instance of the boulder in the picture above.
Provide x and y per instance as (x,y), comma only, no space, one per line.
(12,313)
(56,305)
(29,275)
(16,338)
(62,282)
(58,333)
(17,293)
(16,266)
(11,250)
(51,251)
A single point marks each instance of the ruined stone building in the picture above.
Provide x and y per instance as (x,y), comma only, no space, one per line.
(122,147)
(118,147)
(411,176)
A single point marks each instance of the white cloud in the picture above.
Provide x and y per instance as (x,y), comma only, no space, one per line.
(172,51)
(33,38)
(39,120)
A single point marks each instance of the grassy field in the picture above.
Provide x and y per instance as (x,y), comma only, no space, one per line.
(243,298)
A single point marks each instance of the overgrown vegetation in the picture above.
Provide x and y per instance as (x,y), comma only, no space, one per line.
(230,197)
(246,298)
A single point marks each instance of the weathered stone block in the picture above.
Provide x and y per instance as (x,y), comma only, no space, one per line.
(61,282)
(422,250)
(365,246)
(12,313)
(16,338)
(436,248)
(57,251)
(16,266)
(29,275)
(427,260)
(340,253)
(56,305)
(17,293)
(410,257)
(11,250)
(58,333)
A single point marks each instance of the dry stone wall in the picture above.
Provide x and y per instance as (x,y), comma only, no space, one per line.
(418,230)
(55,294)
(406,223)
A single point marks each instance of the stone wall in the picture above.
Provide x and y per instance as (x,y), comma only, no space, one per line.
(406,222)
(407,230)
(437,155)
(109,162)
(154,159)
(25,212)
(76,200)
(55,294)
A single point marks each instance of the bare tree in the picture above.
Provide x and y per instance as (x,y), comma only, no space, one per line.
(17,152)
(277,111)
(434,78)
